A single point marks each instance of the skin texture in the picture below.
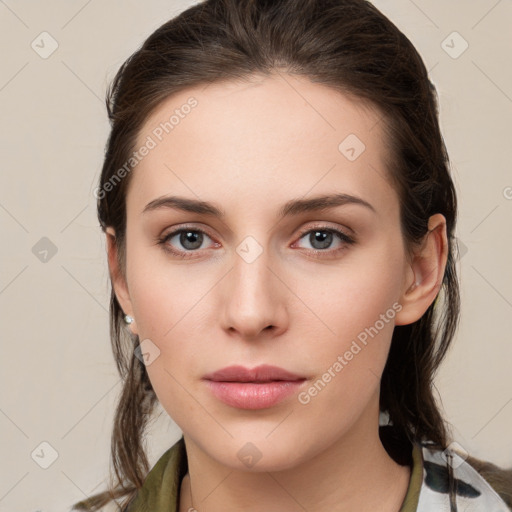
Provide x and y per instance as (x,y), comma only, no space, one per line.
(249,147)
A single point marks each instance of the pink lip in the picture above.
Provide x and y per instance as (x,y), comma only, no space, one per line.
(256,388)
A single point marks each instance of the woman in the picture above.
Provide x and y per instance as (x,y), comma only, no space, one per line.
(280,222)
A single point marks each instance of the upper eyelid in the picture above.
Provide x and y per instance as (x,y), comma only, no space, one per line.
(326,227)
(175,231)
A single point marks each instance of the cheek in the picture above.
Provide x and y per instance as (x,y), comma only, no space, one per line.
(166,306)
(350,298)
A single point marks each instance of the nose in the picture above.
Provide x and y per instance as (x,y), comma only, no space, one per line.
(254,300)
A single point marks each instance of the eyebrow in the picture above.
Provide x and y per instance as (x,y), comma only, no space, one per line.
(292,207)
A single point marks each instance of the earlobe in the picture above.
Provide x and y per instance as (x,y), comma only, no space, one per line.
(424,274)
(118,279)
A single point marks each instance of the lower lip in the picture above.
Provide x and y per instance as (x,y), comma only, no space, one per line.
(252,395)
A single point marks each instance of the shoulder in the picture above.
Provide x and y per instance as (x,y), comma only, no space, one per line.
(449,478)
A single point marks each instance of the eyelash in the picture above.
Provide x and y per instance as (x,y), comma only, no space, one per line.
(343,237)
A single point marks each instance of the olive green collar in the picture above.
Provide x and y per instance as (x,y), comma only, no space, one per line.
(161,489)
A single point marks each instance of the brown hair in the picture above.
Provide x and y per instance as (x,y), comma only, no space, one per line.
(347,45)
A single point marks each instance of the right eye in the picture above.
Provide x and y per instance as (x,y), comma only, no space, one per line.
(191,240)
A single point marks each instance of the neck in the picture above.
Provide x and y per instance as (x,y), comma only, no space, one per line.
(354,473)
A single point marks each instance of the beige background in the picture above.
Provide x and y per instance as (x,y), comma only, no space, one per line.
(59,384)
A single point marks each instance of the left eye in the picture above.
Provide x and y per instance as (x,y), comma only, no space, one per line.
(321,239)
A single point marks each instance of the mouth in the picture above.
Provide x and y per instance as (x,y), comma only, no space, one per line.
(258,388)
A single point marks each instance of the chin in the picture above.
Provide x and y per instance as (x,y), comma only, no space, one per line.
(256,453)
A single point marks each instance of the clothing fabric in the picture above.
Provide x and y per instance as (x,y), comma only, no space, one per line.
(441,481)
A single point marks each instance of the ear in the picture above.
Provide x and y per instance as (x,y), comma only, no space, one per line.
(117,277)
(424,273)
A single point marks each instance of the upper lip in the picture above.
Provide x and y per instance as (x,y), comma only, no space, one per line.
(262,373)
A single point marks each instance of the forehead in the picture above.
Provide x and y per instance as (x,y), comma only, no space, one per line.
(243,136)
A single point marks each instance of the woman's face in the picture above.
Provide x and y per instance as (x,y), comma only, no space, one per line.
(263,277)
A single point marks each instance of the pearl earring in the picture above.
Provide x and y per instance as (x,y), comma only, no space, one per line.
(128,319)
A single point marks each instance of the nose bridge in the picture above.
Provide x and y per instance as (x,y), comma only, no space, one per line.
(253,298)
(251,277)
